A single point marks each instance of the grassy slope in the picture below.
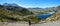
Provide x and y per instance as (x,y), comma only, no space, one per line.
(54,17)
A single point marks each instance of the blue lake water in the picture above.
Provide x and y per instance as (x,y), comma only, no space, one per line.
(44,16)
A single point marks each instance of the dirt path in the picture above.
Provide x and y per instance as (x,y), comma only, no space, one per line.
(56,23)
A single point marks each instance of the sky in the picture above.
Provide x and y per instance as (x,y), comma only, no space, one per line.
(33,3)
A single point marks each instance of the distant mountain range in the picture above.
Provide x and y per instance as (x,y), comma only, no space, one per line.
(15,8)
(16,5)
(36,8)
(10,4)
(13,12)
(10,12)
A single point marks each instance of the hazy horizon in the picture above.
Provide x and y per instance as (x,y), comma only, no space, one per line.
(33,3)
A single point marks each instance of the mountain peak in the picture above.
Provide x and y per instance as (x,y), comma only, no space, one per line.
(10,4)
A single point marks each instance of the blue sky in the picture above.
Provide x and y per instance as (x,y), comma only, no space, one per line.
(33,3)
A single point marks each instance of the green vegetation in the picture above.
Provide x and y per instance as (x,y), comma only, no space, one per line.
(12,13)
(34,19)
(44,12)
(55,17)
(18,10)
(15,14)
